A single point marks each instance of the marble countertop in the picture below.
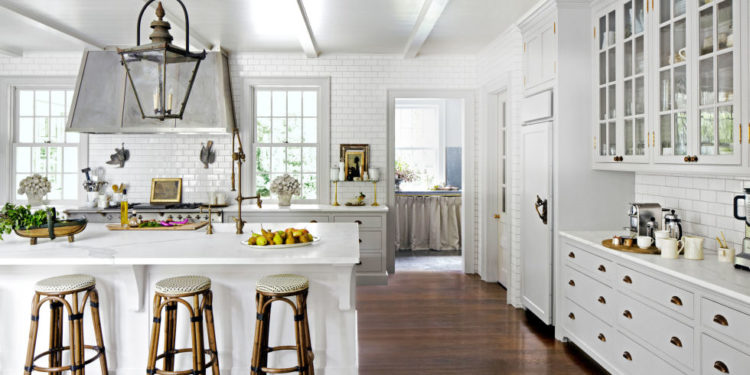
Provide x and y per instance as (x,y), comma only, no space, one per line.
(338,245)
(709,273)
(267,207)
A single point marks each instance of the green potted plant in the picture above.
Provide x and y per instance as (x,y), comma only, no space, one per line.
(38,224)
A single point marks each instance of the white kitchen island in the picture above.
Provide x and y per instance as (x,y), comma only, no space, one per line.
(126,265)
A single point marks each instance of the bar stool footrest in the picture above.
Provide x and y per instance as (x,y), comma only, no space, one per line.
(34,367)
(213,357)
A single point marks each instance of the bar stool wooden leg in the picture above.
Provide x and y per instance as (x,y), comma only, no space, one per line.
(306,341)
(209,313)
(94,304)
(151,365)
(299,339)
(196,327)
(55,335)
(255,363)
(170,332)
(75,342)
(264,350)
(32,335)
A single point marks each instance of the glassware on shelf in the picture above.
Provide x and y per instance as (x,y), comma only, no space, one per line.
(628,98)
(706,31)
(707,132)
(726,130)
(679,7)
(680,133)
(706,78)
(724,25)
(680,88)
(665,133)
(725,74)
(612,138)
(665,92)
(640,142)
(629,147)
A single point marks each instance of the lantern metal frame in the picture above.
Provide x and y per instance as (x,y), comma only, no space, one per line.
(162,44)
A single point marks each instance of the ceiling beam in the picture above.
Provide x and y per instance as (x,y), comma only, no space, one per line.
(10,52)
(305,33)
(45,23)
(197,41)
(428,17)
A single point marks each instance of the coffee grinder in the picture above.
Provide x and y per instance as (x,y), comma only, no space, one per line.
(742,260)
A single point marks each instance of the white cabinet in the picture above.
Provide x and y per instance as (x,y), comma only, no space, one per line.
(540,52)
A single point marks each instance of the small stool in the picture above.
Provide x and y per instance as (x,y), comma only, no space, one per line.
(276,288)
(55,290)
(169,294)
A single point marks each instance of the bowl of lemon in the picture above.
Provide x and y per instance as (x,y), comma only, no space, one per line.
(281,239)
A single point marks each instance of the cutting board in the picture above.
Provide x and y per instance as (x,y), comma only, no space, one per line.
(191,226)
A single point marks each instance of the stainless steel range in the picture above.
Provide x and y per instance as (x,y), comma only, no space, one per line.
(145,211)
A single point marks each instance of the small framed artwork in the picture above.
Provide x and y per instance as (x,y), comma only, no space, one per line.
(356,160)
(166,190)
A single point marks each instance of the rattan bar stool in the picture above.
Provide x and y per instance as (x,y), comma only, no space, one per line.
(278,288)
(169,294)
(55,290)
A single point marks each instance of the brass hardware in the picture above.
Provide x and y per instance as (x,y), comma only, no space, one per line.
(626,355)
(360,240)
(594,32)
(336,194)
(675,341)
(740,133)
(543,204)
(359,222)
(602,338)
(627,314)
(572,316)
(602,268)
(721,367)
(572,283)
(627,280)
(653,139)
(695,159)
(676,300)
(497,216)
(721,320)
(313,221)
(687,159)
(210,229)
(652,4)
(617,158)
(238,156)
(571,255)
(554,27)
(648,139)
(602,300)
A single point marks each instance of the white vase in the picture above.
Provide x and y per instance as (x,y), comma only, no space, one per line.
(34,199)
(285,199)
(342,171)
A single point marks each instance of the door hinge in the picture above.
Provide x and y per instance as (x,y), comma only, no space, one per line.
(524,47)
(740,133)
(554,27)
(594,32)
(594,142)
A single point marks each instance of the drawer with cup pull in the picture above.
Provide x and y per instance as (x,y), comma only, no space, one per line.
(631,358)
(665,294)
(588,329)
(363,221)
(725,320)
(370,262)
(590,294)
(719,358)
(370,240)
(663,332)
(592,265)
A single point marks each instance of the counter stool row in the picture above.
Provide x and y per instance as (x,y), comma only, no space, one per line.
(70,294)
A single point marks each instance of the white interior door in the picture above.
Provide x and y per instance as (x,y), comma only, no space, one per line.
(503,194)
(536,240)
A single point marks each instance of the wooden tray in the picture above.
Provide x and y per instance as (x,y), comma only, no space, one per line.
(191,226)
(632,249)
(67,228)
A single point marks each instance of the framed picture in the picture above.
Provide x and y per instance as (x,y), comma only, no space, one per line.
(166,190)
(356,160)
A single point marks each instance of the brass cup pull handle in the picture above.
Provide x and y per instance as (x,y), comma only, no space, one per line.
(602,300)
(359,222)
(358,263)
(360,240)
(627,280)
(313,221)
(721,367)
(627,314)
(571,255)
(572,316)
(602,338)
(721,320)
(627,356)
(572,283)
(676,301)
(687,159)
(675,341)
(602,268)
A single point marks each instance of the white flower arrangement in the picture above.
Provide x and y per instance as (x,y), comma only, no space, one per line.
(35,186)
(286,184)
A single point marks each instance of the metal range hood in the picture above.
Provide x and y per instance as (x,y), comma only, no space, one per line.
(103,101)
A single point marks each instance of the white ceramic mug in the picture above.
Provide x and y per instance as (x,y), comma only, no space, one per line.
(726,254)
(660,236)
(671,248)
(644,242)
(693,247)
(221,198)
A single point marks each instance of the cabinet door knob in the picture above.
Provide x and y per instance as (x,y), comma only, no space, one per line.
(675,341)
(627,314)
(687,159)
(358,222)
(571,255)
(572,316)
(572,283)
(721,320)
(627,356)
(627,280)
(721,367)
(676,301)
(602,300)
(602,338)
(602,268)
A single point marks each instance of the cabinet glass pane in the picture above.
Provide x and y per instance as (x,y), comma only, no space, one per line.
(612,142)
(628,59)
(680,34)
(629,137)
(612,112)
(679,7)
(628,97)
(640,96)
(665,51)
(665,11)
(704,2)
(639,55)
(638,19)
(640,141)
(725,79)
(724,25)
(706,31)
(726,129)
(603,139)
(707,132)
(602,32)
(706,75)
(665,93)
(611,31)
(602,68)
(680,142)
(612,64)
(628,21)
(680,88)
(665,133)
(602,103)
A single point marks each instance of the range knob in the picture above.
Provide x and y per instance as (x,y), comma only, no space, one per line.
(140,217)
(109,217)
(169,217)
(179,217)
(189,217)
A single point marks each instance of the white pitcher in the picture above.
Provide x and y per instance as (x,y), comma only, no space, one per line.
(671,247)
(693,247)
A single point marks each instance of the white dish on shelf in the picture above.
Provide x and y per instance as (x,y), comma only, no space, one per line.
(282,246)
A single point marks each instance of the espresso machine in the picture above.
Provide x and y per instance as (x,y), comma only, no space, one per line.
(742,260)
(645,218)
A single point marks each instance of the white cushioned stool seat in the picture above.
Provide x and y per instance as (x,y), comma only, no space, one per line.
(64,284)
(175,286)
(282,283)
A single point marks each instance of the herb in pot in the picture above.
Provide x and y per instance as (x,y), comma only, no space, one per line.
(21,217)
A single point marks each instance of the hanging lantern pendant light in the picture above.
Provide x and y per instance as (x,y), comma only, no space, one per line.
(160,68)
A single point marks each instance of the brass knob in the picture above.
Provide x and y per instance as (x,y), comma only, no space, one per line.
(572,283)
(572,316)
(602,338)
(571,255)
(676,300)
(497,216)
(695,159)
(627,280)
(602,300)
(721,320)
(627,314)
(687,159)
(627,356)
(675,341)
(721,367)
(602,268)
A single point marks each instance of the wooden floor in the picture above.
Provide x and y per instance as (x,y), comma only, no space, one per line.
(451,323)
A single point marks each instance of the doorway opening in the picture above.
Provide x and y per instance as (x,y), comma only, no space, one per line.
(428,171)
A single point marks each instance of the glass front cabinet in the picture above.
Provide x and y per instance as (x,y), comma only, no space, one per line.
(667,82)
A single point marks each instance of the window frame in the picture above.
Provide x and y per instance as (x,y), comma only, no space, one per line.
(440,105)
(9,88)
(247,130)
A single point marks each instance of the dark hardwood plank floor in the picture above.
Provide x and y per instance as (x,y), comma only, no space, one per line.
(451,323)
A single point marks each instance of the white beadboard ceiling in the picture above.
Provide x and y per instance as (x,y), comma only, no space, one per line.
(337,26)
